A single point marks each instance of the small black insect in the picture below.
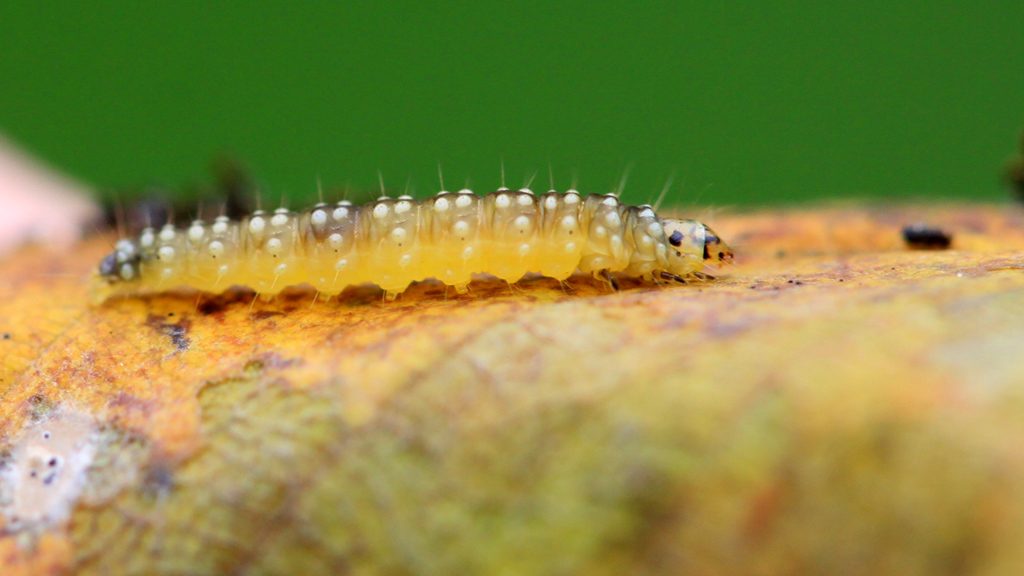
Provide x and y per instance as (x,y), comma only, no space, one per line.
(923,237)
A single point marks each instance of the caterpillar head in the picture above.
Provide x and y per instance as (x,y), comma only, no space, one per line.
(692,245)
(118,271)
(121,265)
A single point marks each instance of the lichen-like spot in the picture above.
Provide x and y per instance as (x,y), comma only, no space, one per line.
(46,471)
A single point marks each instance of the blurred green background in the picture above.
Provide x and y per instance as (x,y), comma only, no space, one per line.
(750,102)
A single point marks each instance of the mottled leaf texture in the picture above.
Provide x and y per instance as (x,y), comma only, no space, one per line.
(835,403)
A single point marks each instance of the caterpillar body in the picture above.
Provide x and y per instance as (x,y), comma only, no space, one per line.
(393,242)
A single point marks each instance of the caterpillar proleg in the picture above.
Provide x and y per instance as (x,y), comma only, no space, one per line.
(393,242)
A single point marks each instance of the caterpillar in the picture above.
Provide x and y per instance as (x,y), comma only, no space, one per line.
(393,242)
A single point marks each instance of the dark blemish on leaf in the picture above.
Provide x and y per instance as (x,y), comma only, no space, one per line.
(178,333)
(40,407)
(212,306)
(170,314)
(159,480)
(7,336)
(264,314)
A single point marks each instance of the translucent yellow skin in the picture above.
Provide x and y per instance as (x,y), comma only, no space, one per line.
(394,242)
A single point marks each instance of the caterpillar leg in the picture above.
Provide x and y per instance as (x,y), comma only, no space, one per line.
(670,276)
(462,288)
(390,295)
(703,276)
(605,276)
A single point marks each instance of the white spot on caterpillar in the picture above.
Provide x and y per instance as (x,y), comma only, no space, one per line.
(195,233)
(279,219)
(220,226)
(405,260)
(524,200)
(522,223)
(611,200)
(502,201)
(167,233)
(223,270)
(570,247)
(524,249)
(380,211)
(256,225)
(403,207)
(127,272)
(647,213)
(464,200)
(274,246)
(398,234)
(571,197)
(125,246)
(166,253)
(525,191)
(280,269)
(146,240)
(216,248)
(600,232)
(655,229)
(460,228)
(335,241)
(318,218)
(613,220)
(551,203)
(341,265)
(616,244)
(340,213)
(440,205)
(568,223)
(467,253)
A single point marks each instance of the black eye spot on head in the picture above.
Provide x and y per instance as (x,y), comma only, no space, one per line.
(676,238)
(108,267)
